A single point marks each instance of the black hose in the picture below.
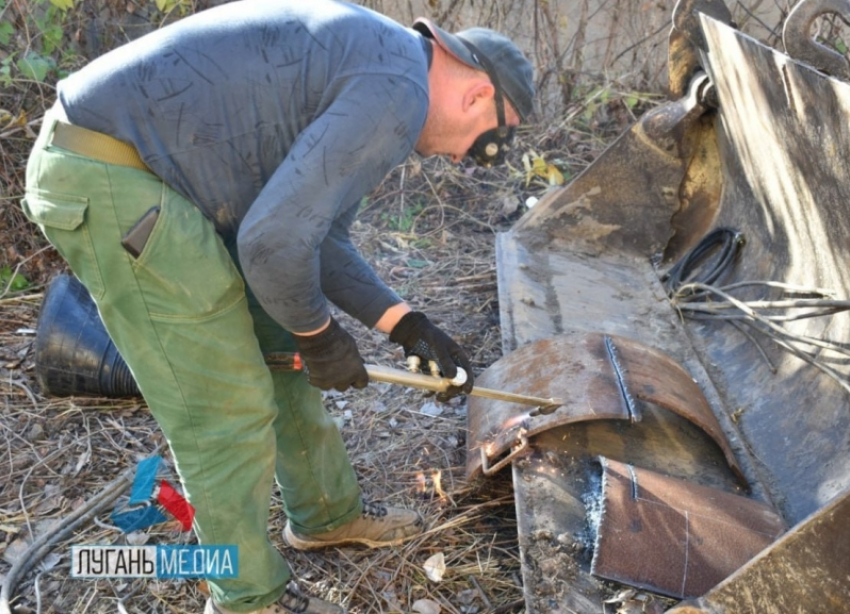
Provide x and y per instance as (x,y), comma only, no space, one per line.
(695,267)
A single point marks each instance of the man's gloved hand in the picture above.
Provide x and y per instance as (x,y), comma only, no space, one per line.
(419,337)
(332,359)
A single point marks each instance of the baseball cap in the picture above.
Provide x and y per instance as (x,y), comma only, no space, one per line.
(493,53)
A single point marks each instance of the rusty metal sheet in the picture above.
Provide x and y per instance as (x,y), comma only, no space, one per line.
(806,570)
(673,536)
(545,291)
(550,285)
(598,376)
(603,210)
(574,369)
(783,135)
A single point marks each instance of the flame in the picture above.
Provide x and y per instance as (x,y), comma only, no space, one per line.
(438,487)
(515,421)
(421,483)
(431,483)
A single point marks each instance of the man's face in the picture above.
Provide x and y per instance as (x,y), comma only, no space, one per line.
(453,133)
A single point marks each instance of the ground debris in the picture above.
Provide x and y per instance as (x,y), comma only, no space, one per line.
(631,601)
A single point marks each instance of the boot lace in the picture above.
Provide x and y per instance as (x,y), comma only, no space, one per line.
(374,509)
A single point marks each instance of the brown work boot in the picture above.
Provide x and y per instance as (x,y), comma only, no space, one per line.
(293,601)
(377,526)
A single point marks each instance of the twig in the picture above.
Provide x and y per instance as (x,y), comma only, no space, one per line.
(481,592)
(26,390)
(38,593)
(663,27)
(443,207)
(18,268)
(772,31)
(50,456)
(27,298)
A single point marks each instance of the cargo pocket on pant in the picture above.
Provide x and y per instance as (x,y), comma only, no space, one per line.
(184,269)
(61,218)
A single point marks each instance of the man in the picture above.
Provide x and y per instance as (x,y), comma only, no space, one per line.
(201,181)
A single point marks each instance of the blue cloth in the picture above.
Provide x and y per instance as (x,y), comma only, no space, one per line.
(145,480)
(136,519)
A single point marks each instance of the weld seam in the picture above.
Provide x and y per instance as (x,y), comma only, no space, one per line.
(597,537)
(621,379)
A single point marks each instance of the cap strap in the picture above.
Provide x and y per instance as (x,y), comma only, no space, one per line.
(491,72)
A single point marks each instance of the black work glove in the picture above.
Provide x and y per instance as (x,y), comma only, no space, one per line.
(332,359)
(419,337)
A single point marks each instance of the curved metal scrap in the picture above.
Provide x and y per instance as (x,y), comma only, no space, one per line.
(673,536)
(575,369)
(796,36)
(598,376)
(655,377)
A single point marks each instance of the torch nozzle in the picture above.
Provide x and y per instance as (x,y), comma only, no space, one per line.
(545,410)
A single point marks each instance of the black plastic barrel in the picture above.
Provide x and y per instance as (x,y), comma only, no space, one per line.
(74,355)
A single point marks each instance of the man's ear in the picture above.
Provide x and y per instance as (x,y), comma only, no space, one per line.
(479,92)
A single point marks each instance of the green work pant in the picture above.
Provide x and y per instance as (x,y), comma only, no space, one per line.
(194,342)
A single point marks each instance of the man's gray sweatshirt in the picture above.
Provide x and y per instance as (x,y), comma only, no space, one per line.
(275,117)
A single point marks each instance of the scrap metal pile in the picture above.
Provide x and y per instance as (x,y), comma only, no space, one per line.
(686,296)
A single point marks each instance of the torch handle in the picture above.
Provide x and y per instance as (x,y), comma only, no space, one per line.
(389,375)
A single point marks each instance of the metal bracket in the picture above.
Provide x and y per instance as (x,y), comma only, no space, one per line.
(515,451)
(686,41)
(796,36)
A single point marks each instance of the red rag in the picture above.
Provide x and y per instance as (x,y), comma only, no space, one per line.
(175,503)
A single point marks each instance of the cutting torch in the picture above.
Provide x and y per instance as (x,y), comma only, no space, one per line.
(434,383)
